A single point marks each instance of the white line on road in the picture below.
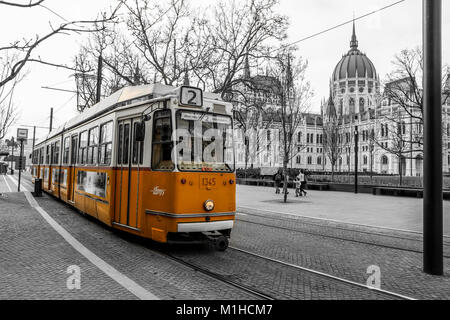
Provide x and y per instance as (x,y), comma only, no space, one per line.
(13,179)
(7,184)
(113,273)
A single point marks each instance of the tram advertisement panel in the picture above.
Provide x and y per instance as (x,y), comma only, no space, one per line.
(92,182)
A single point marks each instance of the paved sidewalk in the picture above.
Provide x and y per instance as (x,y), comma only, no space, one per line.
(35,259)
(379,211)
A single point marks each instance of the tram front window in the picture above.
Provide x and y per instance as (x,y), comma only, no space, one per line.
(204,142)
(162,141)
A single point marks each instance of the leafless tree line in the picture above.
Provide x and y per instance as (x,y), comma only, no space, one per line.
(15,56)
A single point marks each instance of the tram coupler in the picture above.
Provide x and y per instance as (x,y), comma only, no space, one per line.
(219,241)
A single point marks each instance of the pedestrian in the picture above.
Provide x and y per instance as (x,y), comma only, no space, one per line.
(304,181)
(298,183)
(277,179)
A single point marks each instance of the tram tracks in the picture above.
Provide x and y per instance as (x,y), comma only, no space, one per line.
(325,235)
(302,219)
(325,275)
(250,288)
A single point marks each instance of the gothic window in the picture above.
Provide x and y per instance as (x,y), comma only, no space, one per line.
(319,160)
(309,160)
(384,160)
(365,160)
(361,104)
(352,105)
(298,159)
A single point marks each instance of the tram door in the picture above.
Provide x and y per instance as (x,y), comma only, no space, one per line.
(73,161)
(127,176)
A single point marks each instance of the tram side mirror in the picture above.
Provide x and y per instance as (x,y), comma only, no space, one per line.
(140,131)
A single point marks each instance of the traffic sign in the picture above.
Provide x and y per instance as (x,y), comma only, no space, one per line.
(22,134)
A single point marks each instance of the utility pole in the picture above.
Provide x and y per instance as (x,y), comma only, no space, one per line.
(20,164)
(99,78)
(51,120)
(433,261)
(356,158)
(34,139)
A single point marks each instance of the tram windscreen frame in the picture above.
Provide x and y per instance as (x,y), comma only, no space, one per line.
(215,141)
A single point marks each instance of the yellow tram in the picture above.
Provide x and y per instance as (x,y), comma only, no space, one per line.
(152,160)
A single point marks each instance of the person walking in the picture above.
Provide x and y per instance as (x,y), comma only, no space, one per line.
(277,179)
(298,184)
(303,183)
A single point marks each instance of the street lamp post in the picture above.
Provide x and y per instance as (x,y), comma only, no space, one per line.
(356,158)
(432,146)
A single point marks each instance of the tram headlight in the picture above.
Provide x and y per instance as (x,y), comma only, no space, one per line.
(208,205)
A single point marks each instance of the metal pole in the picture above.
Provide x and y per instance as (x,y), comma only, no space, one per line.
(51,120)
(20,164)
(356,159)
(432,181)
(99,78)
(34,139)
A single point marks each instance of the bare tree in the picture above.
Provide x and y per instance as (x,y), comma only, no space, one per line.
(403,90)
(8,112)
(237,31)
(332,142)
(394,138)
(294,93)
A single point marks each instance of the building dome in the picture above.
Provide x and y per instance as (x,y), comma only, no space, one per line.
(354,63)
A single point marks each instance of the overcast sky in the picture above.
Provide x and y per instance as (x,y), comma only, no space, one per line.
(380,36)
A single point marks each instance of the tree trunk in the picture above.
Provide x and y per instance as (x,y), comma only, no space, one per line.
(285,179)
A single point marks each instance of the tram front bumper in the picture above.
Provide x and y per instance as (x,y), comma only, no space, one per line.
(205,226)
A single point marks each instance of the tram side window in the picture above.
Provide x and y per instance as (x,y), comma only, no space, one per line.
(92,147)
(162,141)
(47,154)
(82,150)
(119,152)
(66,150)
(105,143)
(126,143)
(41,155)
(74,147)
(138,147)
(56,146)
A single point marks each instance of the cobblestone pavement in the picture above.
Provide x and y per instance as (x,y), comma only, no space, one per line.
(338,249)
(165,278)
(34,259)
(320,248)
(385,211)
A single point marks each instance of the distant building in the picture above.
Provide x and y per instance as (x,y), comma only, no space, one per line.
(355,100)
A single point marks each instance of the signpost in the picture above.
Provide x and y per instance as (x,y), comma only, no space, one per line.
(356,158)
(22,135)
(433,261)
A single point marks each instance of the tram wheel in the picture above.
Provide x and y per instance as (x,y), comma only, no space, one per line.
(221,243)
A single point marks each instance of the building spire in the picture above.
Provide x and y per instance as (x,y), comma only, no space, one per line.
(354,42)
(246,67)
(186,81)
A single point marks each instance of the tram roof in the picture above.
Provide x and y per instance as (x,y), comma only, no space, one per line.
(121,97)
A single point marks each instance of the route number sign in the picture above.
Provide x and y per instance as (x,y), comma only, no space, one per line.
(190,96)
